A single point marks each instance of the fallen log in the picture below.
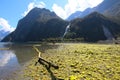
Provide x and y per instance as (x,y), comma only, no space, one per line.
(43,61)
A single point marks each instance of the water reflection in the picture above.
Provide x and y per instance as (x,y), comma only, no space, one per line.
(7,57)
(14,58)
(8,63)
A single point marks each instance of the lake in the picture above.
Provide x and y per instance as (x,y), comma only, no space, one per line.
(13,57)
(72,59)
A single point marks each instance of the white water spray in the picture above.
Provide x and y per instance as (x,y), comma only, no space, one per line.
(107,33)
(66,30)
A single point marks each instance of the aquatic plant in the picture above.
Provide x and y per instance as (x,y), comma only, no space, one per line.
(78,62)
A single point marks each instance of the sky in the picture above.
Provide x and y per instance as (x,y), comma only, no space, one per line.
(11,11)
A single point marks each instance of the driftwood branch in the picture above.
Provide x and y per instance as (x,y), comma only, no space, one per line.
(47,65)
(36,49)
(42,61)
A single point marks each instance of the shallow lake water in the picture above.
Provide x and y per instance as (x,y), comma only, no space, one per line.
(13,57)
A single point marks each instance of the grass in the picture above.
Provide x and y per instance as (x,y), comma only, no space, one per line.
(77,62)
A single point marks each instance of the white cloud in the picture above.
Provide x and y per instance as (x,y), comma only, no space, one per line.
(6,57)
(32,5)
(59,11)
(94,3)
(4,25)
(74,5)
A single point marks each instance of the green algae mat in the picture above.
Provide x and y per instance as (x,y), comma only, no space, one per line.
(77,61)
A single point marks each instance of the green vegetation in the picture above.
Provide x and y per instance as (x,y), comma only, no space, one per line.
(77,62)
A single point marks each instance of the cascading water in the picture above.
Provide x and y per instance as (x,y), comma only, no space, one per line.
(66,30)
(107,33)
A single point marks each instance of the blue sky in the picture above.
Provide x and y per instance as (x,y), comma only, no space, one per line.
(13,10)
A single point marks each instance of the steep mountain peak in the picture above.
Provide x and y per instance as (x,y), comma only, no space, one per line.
(41,14)
(38,24)
(40,10)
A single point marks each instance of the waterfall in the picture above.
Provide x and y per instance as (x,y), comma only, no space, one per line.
(66,30)
(107,33)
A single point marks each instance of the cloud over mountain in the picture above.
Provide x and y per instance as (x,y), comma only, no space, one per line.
(64,11)
(5,26)
(32,5)
(74,5)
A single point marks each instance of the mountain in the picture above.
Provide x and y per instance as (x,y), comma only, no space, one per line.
(105,5)
(40,24)
(93,27)
(110,9)
(79,14)
(37,25)
(3,34)
(74,15)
